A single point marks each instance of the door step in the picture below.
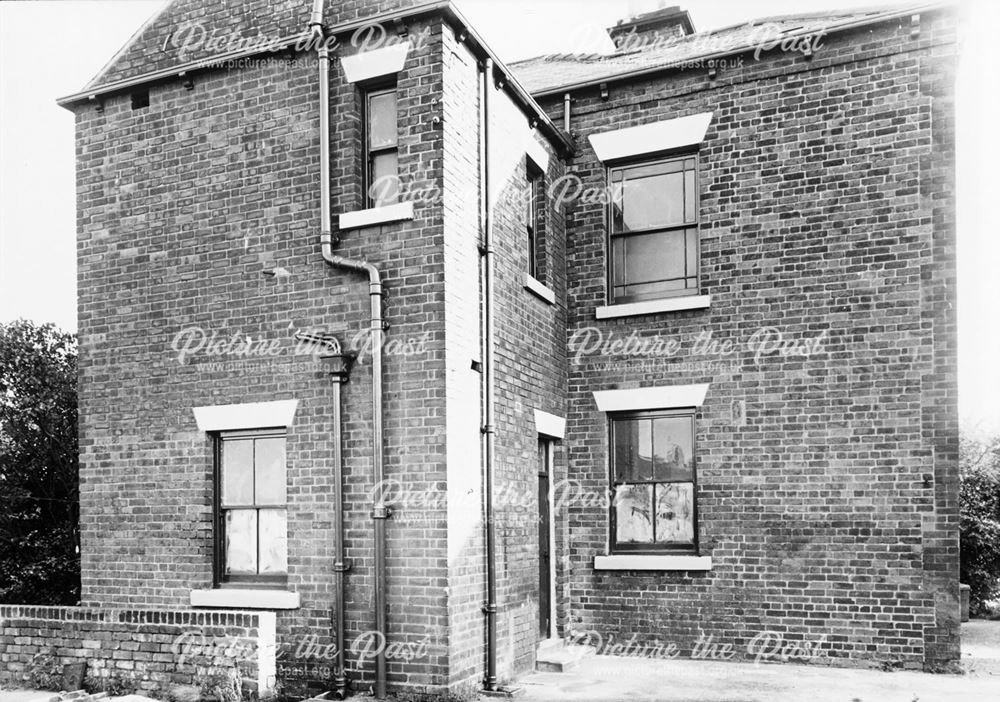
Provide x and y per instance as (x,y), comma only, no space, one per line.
(554,656)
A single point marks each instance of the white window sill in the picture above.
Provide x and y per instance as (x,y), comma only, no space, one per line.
(669,304)
(376,215)
(539,288)
(244,598)
(647,562)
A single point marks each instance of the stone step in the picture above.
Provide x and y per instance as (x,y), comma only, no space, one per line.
(559,659)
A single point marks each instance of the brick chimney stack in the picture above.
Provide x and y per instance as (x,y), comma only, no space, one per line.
(662,25)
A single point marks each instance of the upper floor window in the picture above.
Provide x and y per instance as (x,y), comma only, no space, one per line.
(653,479)
(251,513)
(533,218)
(381,129)
(653,230)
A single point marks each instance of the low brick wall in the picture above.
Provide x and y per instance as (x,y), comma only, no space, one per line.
(152,650)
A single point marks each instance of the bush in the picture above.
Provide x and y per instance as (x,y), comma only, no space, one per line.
(116,684)
(979,519)
(39,482)
(44,672)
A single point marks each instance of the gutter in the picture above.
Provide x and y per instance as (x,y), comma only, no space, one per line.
(666,68)
(301,42)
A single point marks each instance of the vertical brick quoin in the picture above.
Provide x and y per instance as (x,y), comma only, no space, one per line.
(530,371)
(154,649)
(827,208)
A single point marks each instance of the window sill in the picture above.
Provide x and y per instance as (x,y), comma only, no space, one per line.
(243,598)
(376,215)
(669,304)
(539,289)
(648,562)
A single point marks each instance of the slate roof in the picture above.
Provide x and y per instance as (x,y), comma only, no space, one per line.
(193,30)
(548,73)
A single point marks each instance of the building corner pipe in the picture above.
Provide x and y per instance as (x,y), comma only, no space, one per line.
(489,428)
(380,511)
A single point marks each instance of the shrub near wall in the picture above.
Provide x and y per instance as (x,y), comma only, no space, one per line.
(145,650)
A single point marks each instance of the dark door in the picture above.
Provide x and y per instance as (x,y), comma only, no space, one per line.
(544,557)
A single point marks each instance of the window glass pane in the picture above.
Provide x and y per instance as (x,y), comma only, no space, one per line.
(692,252)
(673,457)
(273,541)
(382,120)
(618,261)
(634,514)
(626,438)
(675,513)
(384,189)
(633,450)
(654,201)
(237,472)
(654,257)
(617,221)
(647,290)
(690,197)
(269,460)
(241,541)
(644,453)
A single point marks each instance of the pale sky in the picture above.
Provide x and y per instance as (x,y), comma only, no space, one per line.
(50,49)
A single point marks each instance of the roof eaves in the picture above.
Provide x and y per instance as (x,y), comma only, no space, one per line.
(652,70)
(524,99)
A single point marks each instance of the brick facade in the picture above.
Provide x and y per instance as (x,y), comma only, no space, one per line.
(827,484)
(827,491)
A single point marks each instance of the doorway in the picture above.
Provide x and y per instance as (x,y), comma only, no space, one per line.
(546,575)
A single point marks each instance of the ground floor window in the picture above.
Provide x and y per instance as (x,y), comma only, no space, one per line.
(653,479)
(251,516)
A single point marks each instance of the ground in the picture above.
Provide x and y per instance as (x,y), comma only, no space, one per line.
(611,679)
(608,679)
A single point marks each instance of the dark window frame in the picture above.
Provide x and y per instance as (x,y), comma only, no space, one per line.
(220,578)
(653,548)
(368,92)
(535,219)
(695,224)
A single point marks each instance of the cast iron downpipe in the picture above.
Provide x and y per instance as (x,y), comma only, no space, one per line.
(340,566)
(380,511)
(489,428)
(338,365)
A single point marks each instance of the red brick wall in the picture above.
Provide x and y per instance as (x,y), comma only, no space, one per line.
(182,207)
(827,208)
(151,650)
(530,370)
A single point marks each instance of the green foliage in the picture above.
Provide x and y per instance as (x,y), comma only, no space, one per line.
(224,686)
(980,520)
(44,672)
(39,478)
(116,684)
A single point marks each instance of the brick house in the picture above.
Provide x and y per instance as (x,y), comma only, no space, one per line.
(383,340)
